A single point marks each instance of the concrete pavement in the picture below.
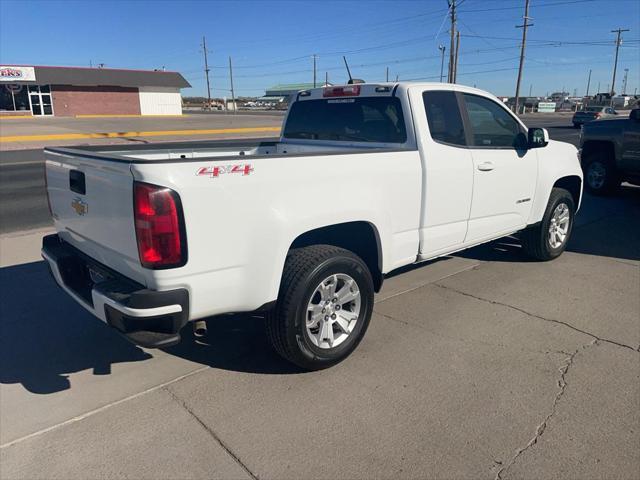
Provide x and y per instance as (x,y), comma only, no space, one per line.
(484,365)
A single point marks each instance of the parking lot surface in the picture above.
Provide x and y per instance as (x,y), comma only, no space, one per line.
(480,365)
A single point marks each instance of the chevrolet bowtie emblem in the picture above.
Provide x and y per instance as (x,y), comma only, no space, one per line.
(79,206)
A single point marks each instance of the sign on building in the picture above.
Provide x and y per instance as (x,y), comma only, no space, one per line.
(17,74)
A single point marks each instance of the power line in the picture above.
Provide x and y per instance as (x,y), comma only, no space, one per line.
(540,5)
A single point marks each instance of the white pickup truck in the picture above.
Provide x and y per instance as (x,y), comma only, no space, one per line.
(365,178)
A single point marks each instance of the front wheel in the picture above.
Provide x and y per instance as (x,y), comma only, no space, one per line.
(601,177)
(549,238)
(324,306)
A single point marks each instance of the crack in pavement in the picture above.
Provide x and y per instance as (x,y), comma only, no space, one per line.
(211,432)
(562,386)
(466,340)
(533,315)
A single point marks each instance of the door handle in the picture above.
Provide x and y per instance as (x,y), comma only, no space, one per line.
(486,166)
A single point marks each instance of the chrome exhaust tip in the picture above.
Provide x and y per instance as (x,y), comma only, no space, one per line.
(199,328)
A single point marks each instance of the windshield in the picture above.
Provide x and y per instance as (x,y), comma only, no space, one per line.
(367,119)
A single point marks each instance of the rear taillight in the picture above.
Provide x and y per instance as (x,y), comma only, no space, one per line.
(597,115)
(159,226)
(347,91)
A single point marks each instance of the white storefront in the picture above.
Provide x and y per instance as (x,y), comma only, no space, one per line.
(160,101)
(79,91)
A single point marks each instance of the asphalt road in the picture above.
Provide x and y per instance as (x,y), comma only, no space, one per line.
(23,203)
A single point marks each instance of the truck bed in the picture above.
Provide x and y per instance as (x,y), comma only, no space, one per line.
(176,152)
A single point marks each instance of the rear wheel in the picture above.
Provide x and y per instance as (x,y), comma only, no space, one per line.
(324,306)
(601,175)
(549,238)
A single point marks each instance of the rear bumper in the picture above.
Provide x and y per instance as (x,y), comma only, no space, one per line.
(148,318)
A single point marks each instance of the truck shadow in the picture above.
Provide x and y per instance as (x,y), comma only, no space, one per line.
(45,336)
(605,227)
(233,342)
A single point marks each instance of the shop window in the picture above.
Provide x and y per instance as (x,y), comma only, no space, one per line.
(14,98)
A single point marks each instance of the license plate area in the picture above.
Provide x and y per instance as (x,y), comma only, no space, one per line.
(80,276)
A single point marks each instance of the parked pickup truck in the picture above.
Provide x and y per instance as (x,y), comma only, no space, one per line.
(611,153)
(365,179)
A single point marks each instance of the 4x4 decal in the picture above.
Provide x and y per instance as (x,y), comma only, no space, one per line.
(215,172)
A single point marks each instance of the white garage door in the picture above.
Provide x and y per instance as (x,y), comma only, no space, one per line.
(160,101)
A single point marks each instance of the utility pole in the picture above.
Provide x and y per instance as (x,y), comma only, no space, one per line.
(326,79)
(530,88)
(524,27)
(233,95)
(455,63)
(615,63)
(588,83)
(314,70)
(442,48)
(387,74)
(452,46)
(598,88)
(624,81)
(206,71)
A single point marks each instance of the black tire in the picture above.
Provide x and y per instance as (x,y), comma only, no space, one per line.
(607,179)
(305,268)
(535,240)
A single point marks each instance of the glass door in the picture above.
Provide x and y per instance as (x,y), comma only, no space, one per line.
(45,100)
(40,100)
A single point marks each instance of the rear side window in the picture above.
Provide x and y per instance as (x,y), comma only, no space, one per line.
(366,119)
(491,125)
(443,115)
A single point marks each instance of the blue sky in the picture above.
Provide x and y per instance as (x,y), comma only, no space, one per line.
(273,42)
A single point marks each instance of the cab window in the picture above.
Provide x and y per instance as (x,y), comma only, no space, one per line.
(443,116)
(491,125)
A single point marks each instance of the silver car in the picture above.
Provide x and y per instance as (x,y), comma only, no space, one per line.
(592,113)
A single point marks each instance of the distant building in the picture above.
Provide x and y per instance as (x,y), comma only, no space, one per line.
(622,101)
(71,91)
(559,96)
(279,94)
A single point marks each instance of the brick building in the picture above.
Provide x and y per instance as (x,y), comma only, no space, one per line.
(73,91)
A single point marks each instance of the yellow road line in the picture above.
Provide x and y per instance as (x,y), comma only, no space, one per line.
(132,115)
(156,133)
(13,117)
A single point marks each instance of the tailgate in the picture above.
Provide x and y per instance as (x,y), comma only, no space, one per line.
(92,206)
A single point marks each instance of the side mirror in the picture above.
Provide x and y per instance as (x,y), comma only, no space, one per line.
(538,137)
(635,115)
